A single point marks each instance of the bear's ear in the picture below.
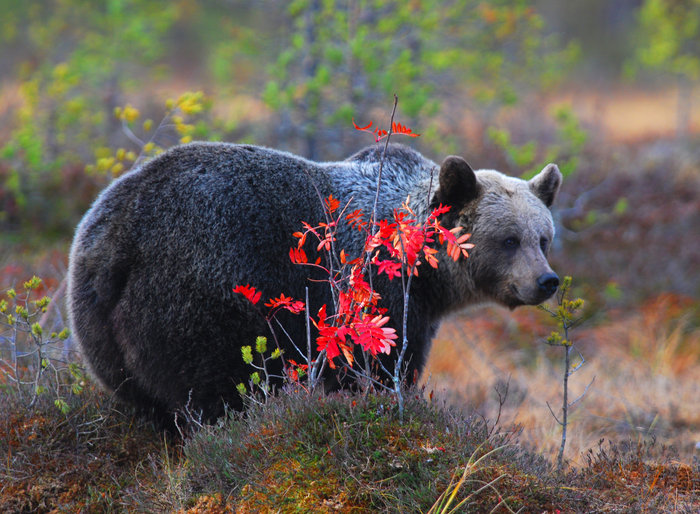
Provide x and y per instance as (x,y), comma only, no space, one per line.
(458,184)
(545,185)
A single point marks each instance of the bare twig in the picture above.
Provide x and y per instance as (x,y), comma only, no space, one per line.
(134,139)
(381,165)
(555,416)
(584,392)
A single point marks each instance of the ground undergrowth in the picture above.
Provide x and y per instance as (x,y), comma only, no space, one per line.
(89,460)
(314,453)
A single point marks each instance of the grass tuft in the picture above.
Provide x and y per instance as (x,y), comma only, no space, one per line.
(90,460)
(345,453)
(350,453)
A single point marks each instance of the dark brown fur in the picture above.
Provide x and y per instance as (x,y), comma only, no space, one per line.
(154,261)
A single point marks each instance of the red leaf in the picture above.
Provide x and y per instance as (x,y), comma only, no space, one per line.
(440,210)
(296,307)
(355,219)
(286,302)
(430,256)
(248,292)
(403,130)
(294,369)
(372,337)
(391,268)
(332,339)
(332,204)
(302,238)
(361,128)
(298,256)
(459,246)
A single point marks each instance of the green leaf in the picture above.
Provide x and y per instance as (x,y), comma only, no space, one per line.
(37,330)
(32,284)
(272,96)
(613,291)
(261,344)
(76,371)
(62,406)
(247,354)
(621,206)
(43,302)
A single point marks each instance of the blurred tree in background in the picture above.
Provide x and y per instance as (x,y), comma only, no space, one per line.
(345,58)
(669,36)
(285,74)
(78,59)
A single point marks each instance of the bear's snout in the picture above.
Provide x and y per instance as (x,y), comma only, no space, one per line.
(548,283)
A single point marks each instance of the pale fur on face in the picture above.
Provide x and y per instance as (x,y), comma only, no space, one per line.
(512,230)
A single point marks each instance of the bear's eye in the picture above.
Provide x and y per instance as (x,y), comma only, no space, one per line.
(511,242)
(543,244)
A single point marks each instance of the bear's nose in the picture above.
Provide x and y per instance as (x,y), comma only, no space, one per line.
(548,283)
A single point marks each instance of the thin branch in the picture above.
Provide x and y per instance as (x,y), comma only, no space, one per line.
(501,402)
(578,366)
(365,375)
(292,341)
(555,416)
(134,139)
(582,394)
(384,369)
(381,164)
(575,322)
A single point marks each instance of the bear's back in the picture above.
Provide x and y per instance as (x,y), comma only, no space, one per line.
(154,262)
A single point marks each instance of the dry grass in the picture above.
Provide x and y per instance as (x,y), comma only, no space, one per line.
(645,363)
(92,460)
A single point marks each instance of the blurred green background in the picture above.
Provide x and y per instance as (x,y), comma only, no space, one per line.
(293,74)
(605,88)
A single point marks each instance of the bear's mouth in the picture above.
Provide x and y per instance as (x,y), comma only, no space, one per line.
(516,298)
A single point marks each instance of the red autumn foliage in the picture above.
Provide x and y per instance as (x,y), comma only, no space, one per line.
(248,292)
(359,320)
(397,247)
(379,134)
(274,304)
(294,369)
(285,302)
(298,256)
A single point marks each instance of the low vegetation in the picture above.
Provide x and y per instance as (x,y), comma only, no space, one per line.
(301,453)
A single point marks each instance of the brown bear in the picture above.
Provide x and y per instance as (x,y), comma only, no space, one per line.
(155,259)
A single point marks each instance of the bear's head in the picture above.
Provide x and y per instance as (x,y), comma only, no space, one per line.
(512,230)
